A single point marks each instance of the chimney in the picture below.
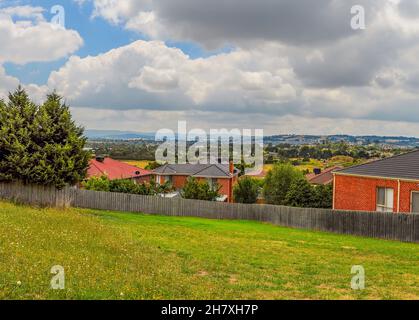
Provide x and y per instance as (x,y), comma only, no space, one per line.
(317,171)
(231,167)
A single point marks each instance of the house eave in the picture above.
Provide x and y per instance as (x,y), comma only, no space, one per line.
(374,177)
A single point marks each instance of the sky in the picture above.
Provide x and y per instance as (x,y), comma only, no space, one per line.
(284,66)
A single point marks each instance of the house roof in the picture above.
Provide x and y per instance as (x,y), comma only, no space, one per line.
(196,170)
(404,166)
(115,170)
(323,178)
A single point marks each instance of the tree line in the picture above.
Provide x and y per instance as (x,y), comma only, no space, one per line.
(284,185)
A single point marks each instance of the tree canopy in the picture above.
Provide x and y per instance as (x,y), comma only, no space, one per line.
(278,182)
(40,144)
(246,190)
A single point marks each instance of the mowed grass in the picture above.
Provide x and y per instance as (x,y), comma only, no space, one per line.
(110,255)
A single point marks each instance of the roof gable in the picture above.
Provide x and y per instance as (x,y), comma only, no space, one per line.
(214,170)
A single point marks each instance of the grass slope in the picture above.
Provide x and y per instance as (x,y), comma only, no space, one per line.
(108,255)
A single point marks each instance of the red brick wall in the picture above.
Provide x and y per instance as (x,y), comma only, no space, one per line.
(406,189)
(358,193)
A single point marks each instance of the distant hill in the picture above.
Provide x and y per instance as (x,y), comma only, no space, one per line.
(117,135)
(403,142)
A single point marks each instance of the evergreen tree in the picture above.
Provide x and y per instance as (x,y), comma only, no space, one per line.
(301,194)
(59,158)
(246,191)
(40,144)
(17,127)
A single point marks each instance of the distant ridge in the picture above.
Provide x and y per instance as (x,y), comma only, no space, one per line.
(397,141)
(117,135)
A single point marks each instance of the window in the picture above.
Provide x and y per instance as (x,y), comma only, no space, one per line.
(385,200)
(212,183)
(168,179)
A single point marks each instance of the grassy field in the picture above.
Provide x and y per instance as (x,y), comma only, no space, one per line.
(310,165)
(109,255)
(142,164)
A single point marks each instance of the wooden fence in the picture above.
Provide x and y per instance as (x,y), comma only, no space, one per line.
(402,227)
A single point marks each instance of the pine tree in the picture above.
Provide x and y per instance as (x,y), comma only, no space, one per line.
(59,156)
(17,120)
(40,144)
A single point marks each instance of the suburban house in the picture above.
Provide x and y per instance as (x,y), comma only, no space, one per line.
(322,177)
(177,174)
(117,170)
(387,185)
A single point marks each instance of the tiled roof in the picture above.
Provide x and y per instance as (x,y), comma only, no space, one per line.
(196,170)
(324,178)
(404,166)
(114,169)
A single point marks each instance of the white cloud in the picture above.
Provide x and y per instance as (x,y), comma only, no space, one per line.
(295,66)
(150,75)
(7,83)
(252,84)
(25,36)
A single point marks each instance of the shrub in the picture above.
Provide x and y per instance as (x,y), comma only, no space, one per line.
(125,186)
(200,190)
(97,184)
(246,190)
(152,165)
(301,194)
(323,196)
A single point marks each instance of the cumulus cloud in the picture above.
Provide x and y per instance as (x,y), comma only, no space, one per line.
(293,64)
(7,83)
(316,35)
(25,36)
(151,75)
(218,22)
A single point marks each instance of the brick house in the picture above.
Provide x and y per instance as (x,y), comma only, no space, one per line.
(389,185)
(117,170)
(224,175)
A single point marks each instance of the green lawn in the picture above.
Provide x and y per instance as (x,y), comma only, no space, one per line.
(109,255)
